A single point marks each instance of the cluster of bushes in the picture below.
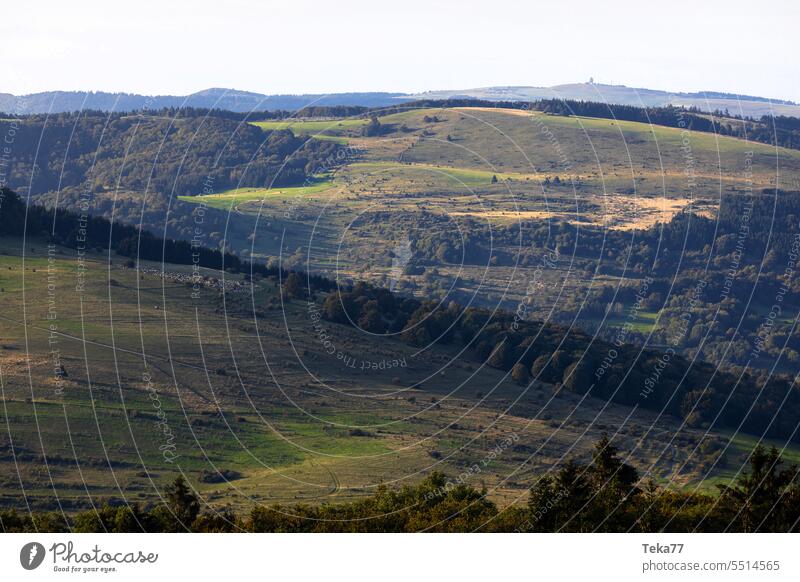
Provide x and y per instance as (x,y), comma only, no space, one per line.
(373,309)
(374,128)
(604,495)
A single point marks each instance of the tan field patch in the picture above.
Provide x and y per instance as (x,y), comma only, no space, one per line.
(382,148)
(619,212)
(507,214)
(628,213)
(517,112)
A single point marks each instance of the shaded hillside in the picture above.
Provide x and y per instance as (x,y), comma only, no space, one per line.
(134,167)
(95,152)
(701,394)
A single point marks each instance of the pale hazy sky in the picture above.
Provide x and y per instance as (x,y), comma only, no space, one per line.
(304,46)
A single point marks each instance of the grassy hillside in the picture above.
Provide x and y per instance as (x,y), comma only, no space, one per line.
(477,204)
(241,392)
(506,169)
(567,217)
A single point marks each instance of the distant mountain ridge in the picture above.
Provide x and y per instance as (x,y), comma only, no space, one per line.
(242,101)
(745,105)
(215,98)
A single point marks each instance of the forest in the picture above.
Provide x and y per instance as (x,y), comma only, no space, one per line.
(134,166)
(180,156)
(735,261)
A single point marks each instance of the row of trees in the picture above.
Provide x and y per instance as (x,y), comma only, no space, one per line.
(698,392)
(69,229)
(605,495)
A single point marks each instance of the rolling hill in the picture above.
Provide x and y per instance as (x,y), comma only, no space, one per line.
(147,374)
(744,105)
(216,98)
(120,372)
(229,379)
(244,101)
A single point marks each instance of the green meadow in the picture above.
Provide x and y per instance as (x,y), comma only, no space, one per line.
(230,199)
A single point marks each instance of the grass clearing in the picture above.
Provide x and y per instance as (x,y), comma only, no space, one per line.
(456,175)
(669,136)
(311,126)
(230,199)
(644,322)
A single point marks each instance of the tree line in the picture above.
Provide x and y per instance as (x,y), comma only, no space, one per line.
(532,351)
(70,229)
(606,494)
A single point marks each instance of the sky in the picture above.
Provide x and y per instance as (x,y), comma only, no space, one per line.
(303,46)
